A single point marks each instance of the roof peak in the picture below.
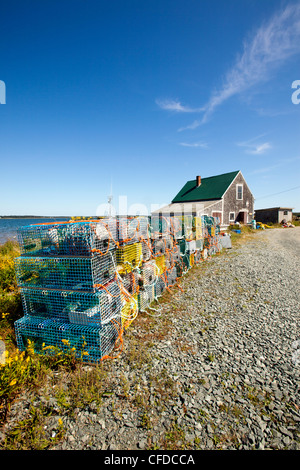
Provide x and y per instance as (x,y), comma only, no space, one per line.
(210,187)
(221,174)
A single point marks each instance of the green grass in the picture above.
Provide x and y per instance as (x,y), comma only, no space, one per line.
(10,298)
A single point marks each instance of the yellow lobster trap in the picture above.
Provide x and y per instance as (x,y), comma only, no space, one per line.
(160,262)
(129,257)
(129,310)
(198,228)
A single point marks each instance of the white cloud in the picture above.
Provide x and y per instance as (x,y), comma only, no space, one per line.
(259,149)
(195,145)
(192,126)
(172,105)
(255,148)
(272,44)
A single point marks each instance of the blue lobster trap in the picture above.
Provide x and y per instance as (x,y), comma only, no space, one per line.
(70,273)
(84,308)
(48,335)
(68,238)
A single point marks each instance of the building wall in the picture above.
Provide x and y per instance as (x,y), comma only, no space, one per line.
(267,216)
(273,215)
(217,207)
(288,217)
(232,204)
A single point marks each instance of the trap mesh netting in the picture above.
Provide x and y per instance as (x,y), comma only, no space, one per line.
(84,282)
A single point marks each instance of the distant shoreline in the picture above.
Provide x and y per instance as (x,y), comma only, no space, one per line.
(34,217)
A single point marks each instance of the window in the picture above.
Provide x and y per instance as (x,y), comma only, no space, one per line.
(239,191)
(231,216)
(285,212)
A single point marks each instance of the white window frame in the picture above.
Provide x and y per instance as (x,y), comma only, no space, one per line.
(232,220)
(237,192)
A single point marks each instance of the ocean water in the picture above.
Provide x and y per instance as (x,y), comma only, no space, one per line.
(9,227)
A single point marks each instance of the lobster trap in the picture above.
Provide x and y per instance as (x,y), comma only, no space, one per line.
(200,244)
(132,229)
(50,335)
(158,247)
(160,262)
(171,276)
(68,238)
(160,286)
(161,226)
(186,224)
(130,308)
(198,228)
(146,249)
(131,282)
(172,256)
(149,272)
(67,273)
(145,297)
(129,257)
(197,257)
(84,308)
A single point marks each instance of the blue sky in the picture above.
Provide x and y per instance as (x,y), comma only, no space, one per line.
(141,96)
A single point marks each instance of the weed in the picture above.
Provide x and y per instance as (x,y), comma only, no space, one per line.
(210,357)
(145,421)
(30,433)
(84,388)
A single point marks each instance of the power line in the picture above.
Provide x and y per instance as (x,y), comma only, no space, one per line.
(280,192)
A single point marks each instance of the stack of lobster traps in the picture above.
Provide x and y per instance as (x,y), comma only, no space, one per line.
(70,295)
(83,282)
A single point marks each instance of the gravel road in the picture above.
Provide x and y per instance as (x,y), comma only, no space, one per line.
(216,366)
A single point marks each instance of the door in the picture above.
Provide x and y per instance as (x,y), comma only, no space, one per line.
(242,217)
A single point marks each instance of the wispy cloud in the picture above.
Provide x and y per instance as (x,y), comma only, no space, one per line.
(195,145)
(259,149)
(272,44)
(265,169)
(255,148)
(280,163)
(266,50)
(192,126)
(174,105)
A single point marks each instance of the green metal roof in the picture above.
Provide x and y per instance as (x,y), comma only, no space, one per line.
(212,187)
